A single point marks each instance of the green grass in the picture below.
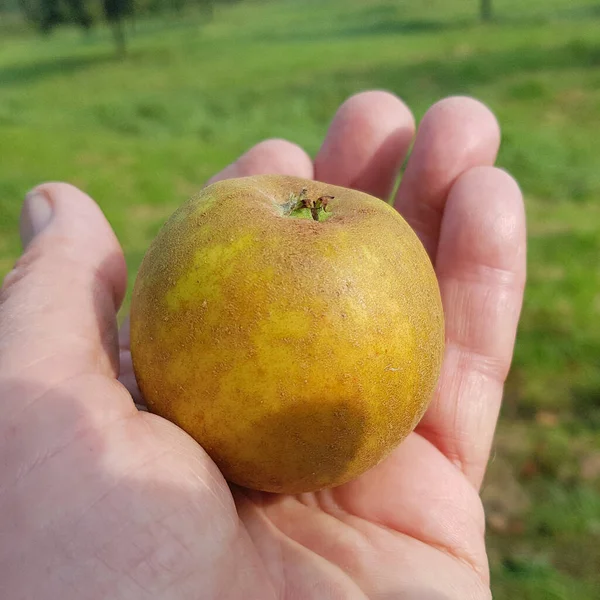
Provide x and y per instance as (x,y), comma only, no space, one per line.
(141,134)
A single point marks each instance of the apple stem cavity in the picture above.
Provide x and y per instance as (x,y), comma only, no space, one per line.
(302,207)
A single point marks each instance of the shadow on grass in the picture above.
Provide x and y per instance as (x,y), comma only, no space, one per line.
(572,13)
(460,73)
(452,74)
(385,20)
(583,12)
(411,26)
(68,65)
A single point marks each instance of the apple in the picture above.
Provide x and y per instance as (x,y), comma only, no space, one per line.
(293,328)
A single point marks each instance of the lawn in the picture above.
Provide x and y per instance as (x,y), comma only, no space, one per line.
(142,133)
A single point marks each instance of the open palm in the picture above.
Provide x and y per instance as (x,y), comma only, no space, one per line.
(99,499)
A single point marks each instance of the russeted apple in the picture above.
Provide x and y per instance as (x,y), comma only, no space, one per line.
(293,328)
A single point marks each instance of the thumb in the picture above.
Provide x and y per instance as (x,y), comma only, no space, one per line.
(58,305)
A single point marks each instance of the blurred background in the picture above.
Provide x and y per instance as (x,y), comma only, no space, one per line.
(138,102)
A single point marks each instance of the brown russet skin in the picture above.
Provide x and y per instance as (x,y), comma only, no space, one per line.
(298,352)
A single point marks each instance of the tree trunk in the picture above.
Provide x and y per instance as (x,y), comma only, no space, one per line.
(486,10)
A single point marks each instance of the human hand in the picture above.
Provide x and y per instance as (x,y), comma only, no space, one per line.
(100,500)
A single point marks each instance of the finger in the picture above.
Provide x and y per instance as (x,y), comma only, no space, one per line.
(481,270)
(417,492)
(367,142)
(455,135)
(58,306)
(270,157)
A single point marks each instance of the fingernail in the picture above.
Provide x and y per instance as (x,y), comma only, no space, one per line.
(35,215)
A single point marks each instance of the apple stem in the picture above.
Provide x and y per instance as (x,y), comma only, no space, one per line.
(299,203)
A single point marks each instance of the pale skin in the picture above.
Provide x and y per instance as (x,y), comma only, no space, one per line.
(101,500)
